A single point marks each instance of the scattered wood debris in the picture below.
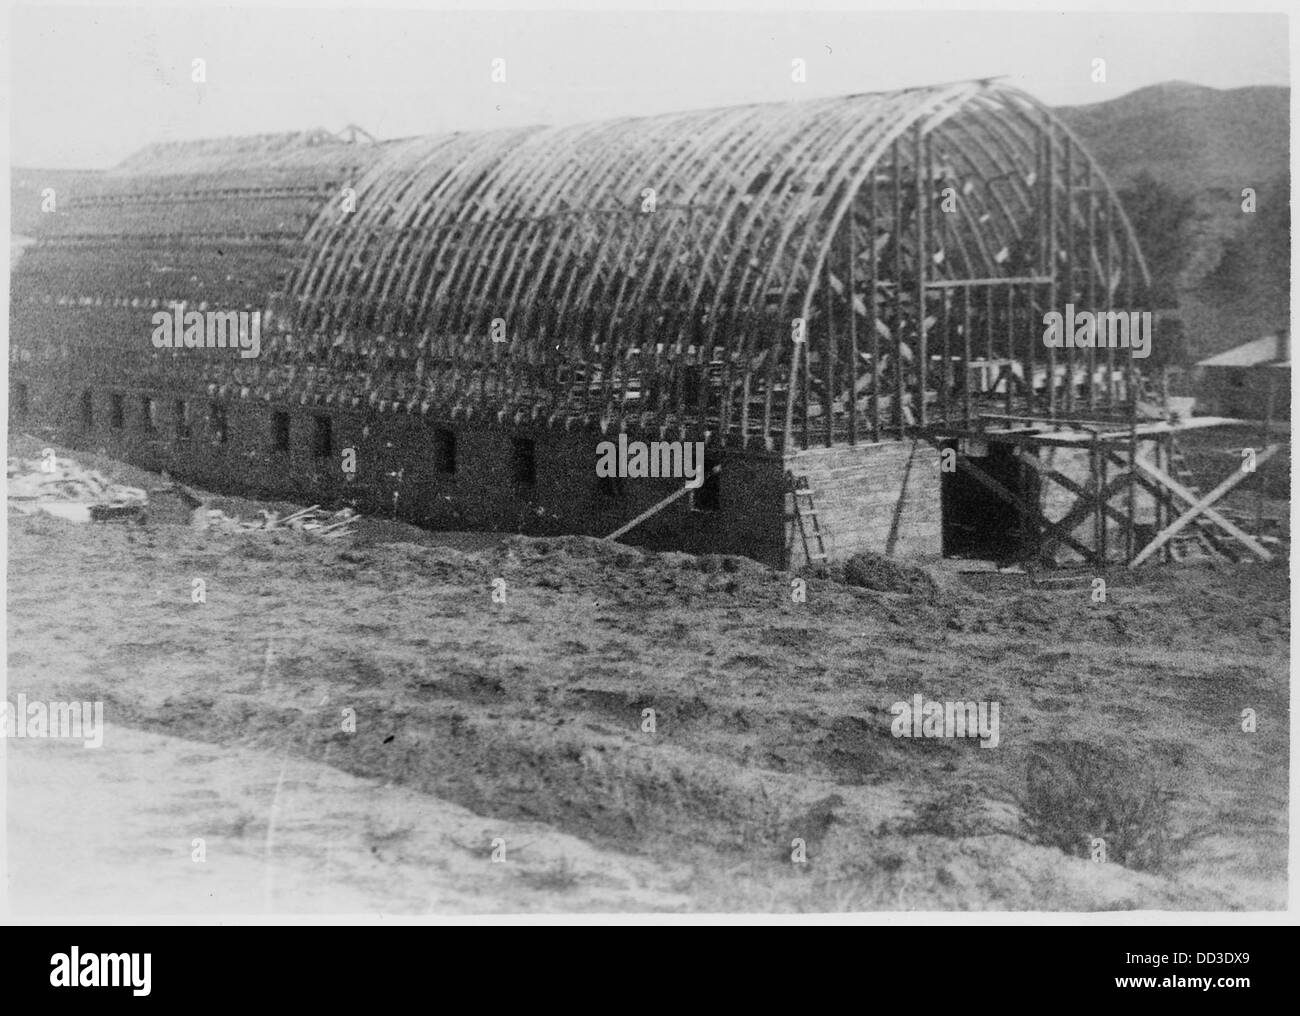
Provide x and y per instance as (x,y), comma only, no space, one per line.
(61,487)
(314,520)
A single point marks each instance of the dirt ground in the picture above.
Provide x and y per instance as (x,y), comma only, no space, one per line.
(525,721)
(244,832)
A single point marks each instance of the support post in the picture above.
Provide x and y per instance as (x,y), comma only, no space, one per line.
(1011,348)
(1268,433)
(874,335)
(1099,496)
(922,256)
(828,351)
(1049,251)
(1092,290)
(850,294)
(1130,390)
(966,368)
(1068,170)
(945,381)
(899,370)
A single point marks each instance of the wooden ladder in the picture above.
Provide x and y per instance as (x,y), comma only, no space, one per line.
(804,514)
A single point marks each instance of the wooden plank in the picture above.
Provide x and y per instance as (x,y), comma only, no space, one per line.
(1108,490)
(1201,506)
(1033,512)
(656,509)
(1005,280)
(1086,506)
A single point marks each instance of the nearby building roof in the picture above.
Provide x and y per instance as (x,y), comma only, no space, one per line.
(1249,354)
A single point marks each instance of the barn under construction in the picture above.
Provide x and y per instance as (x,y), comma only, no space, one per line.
(832,295)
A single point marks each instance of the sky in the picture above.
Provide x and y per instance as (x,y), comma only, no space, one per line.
(91,85)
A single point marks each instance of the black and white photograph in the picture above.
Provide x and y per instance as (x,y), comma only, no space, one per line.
(642,464)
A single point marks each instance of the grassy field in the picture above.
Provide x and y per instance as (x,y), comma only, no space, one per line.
(512,677)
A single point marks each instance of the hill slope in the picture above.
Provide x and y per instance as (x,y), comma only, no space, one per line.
(1188,135)
(1208,145)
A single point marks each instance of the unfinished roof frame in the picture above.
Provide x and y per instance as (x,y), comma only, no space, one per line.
(647,273)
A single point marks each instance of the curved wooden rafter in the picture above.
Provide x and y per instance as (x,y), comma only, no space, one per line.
(677,318)
(544,228)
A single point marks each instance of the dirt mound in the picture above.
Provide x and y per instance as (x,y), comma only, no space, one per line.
(712,564)
(885,575)
(530,548)
(555,549)
(631,576)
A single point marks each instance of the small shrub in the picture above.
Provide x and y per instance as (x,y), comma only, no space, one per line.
(1077,791)
(953,814)
(560,876)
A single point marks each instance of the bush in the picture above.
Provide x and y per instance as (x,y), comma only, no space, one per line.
(955,813)
(1077,791)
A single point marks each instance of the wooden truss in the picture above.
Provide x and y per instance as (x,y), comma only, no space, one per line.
(1158,482)
(839,270)
(1115,471)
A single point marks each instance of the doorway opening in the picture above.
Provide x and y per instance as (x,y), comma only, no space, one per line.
(977,523)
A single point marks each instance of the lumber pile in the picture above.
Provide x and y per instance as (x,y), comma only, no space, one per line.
(62,487)
(313,520)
